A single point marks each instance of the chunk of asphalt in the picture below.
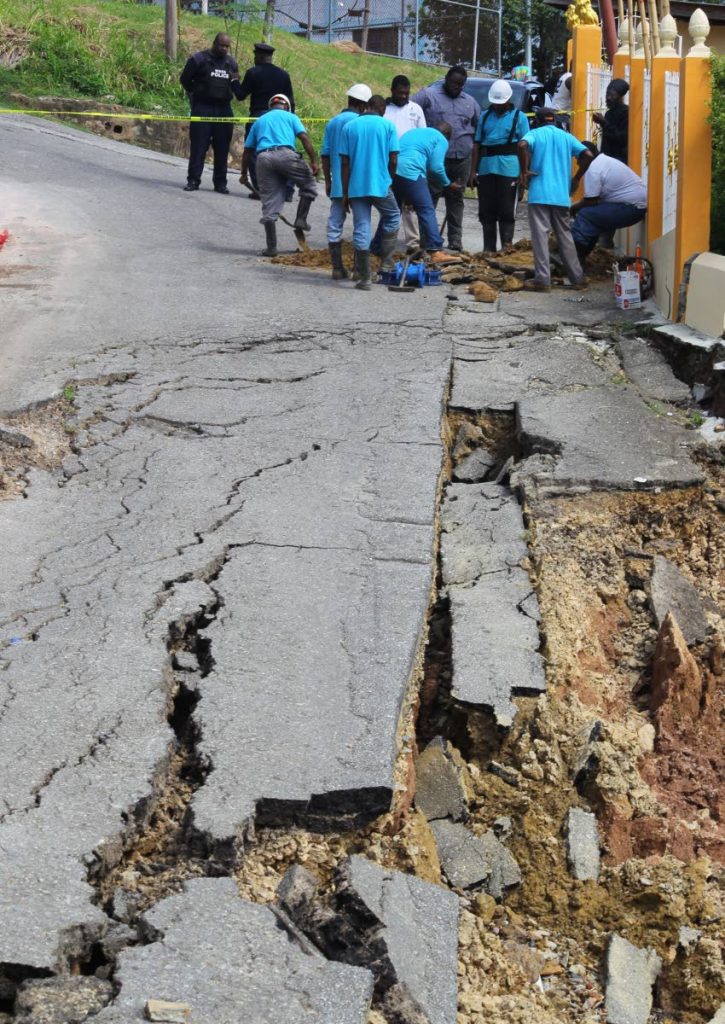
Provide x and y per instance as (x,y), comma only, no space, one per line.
(440,790)
(673,592)
(471,861)
(404,930)
(14,438)
(474,467)
(631,974)
(582,838)
(494,613)
(603,439)
(61,1000)
(230,961)
(649,370)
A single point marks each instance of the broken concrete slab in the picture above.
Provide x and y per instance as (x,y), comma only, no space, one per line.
(648,369)
(440,790)
(582,838)
(601,439)
(719,1017)
(61,1000)
(671,591)
(233,963)
(420,931)
(535,366)
(494,611)
(474,467)
(170,1013)
(14,437)
(470,861)
(631,974)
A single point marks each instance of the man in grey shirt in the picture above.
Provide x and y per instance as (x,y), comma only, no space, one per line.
(446,101)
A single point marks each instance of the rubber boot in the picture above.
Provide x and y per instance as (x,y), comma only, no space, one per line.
(582,251)
(506,231)
(303,208)
(338,268)
(387,249)
(270,230)
(362,265)
(489,236)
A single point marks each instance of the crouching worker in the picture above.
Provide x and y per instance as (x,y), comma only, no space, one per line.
(614,197)
(358,97)
(421,158)
(369,157)
(273,137)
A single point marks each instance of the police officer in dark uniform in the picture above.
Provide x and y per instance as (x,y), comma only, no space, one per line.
(209,78)
(261,83)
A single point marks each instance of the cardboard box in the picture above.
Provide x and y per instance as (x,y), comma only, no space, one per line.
(626,289)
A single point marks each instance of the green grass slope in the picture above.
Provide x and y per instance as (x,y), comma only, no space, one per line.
(113,52)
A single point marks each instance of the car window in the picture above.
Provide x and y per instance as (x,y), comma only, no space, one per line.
(478,88)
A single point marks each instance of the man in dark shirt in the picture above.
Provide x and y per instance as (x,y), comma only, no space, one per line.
(614,125)
(261,83)
(209,78)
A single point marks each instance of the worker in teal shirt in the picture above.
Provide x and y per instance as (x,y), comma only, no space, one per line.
(273,136)
(369,156)
(495,165)
(422,159)
(545,156)
(357,101)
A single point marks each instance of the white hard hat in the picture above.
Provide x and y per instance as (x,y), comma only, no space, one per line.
(500,92)
(279,97)
(360,92)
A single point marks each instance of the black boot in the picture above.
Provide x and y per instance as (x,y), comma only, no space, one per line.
(387,248)
(582,251)
(362,265)
(506,231)
(270,230)
(489,236)
(303,208)
(338,268)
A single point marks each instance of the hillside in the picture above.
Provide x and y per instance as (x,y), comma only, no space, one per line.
(113,52)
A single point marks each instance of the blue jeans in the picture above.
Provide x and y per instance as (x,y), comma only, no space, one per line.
(362,215)
(335,221)
(603,218)
(417,193)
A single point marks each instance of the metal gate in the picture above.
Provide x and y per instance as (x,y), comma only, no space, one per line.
(646,111)
(598,78)
(671,160)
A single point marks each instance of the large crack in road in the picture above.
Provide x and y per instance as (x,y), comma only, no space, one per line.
(220,605)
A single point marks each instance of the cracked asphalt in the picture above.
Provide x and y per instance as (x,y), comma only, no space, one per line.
(257,466)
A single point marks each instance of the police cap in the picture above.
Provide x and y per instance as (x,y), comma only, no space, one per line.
(263,48)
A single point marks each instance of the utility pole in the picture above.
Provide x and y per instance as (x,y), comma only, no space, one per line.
(204,6)
(365,25)
(171,29)
(527,49)
(474,58)
(269,12)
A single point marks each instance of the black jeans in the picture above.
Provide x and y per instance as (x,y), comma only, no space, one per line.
(497,206)
(202,134)
(458,169)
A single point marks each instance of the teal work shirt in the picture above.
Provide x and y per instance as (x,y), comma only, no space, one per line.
(368,142)
(493,130)
(422,152)
(331,148)
(275,128)
(551,154)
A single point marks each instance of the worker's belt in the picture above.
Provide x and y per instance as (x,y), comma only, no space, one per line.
(270,149)
(505,149)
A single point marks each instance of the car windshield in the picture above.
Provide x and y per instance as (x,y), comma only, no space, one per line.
(479,87)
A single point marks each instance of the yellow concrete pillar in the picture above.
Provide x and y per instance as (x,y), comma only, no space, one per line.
(657,145)
(587,49)
(694,173)
(636,93)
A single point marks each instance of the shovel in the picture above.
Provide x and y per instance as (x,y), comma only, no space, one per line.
(402,287)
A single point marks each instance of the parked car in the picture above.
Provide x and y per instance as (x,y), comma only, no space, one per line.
(527,96)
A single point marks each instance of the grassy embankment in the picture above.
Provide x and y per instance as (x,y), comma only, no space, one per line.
(113,52)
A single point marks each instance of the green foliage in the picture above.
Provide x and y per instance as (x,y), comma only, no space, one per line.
(717,120)
(549,32)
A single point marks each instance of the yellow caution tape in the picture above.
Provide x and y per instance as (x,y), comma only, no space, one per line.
(108,116)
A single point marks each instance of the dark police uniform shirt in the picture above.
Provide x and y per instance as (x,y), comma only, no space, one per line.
(211,80)
(261,83)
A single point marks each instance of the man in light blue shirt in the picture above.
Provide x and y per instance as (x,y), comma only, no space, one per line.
(422,159)
(495,165)
(369,156)
(273,137)
(357,101)
(545,156)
